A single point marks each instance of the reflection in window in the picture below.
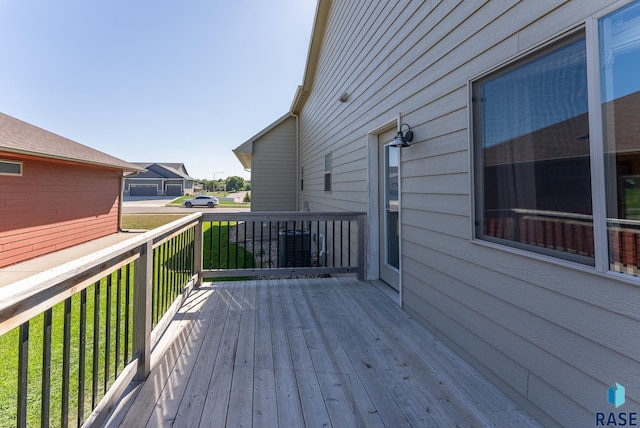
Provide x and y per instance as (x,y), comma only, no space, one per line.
(532,148)
(619,35)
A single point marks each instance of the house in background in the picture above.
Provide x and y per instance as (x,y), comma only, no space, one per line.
(271,156)
(159,179)
(509,225)
(54,193)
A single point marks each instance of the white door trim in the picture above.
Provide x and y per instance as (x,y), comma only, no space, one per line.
(373,217)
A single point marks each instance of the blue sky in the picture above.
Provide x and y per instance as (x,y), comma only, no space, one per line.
(160,81)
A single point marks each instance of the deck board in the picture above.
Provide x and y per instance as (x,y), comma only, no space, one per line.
(308,352)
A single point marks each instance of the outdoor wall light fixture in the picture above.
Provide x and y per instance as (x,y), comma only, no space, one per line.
(403,139)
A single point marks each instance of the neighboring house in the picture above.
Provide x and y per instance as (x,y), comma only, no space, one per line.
(54,192)
(272,158)
(160,179)
(510,225)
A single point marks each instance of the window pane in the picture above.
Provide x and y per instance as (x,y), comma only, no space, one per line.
(10,168)
(532,138)
(620,88)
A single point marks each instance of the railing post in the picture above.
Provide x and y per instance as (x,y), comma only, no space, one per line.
(361,246)
(142,309)
(198,248)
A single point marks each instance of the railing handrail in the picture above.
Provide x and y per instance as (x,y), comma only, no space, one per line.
(283,216)
(30,296)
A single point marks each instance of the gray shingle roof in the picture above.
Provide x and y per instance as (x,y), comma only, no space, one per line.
(163,170)
(20,137)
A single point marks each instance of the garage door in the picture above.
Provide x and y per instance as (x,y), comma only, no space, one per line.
(143,190)
(174,190)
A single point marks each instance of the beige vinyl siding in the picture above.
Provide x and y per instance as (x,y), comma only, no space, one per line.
(553,335)
(273,169)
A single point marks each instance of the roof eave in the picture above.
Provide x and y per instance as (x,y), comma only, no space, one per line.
(319,27)
(125,166)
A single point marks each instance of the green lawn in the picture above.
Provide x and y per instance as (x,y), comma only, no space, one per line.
(148,221)
(227,254)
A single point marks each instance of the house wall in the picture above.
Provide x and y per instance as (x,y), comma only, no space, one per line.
(273,169)
(55,205)
(553,335)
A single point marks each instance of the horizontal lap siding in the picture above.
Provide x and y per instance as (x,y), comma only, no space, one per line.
(273,169)
(53,206)
(551,334)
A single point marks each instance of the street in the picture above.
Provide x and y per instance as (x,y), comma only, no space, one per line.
(148,205)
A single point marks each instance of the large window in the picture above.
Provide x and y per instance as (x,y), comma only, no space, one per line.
(619,38)
(533,148)
(533,153)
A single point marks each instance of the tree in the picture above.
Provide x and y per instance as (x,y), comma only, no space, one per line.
(235,183)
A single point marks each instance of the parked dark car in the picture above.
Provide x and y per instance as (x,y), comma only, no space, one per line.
(201,201)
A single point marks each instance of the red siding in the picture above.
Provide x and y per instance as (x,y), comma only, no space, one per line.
(55,205)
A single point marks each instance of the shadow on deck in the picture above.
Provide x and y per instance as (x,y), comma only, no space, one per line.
(307,352)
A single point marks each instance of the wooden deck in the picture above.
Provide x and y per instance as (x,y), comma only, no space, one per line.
(307,352)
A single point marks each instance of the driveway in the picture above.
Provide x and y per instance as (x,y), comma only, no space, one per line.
(157,205)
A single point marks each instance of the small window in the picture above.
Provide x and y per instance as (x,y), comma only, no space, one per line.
(327,173)
(10,167)
(301,178)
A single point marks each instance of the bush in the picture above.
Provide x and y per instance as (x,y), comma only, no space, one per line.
(247,197)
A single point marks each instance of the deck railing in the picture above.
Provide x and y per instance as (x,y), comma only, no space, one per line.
(283,243)
(74,337)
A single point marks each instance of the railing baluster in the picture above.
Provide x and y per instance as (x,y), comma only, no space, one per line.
(219,266)
(261,246)
(228,244)
(82,345)
(333,238)
(155,288)
(127,314)
(341,243)
(107,335)
(270,241)
(278,237)
(165,278)
(96,344)
(326,242)
(46,368)
(318,255)
(118,321)
(66,363)
(23,375)
(172,259)
(349,243)
(237,227)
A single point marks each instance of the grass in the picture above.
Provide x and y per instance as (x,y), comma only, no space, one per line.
(226,254)
(148,221)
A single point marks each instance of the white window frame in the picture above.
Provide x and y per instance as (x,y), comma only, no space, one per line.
(328,165)
(598,174)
